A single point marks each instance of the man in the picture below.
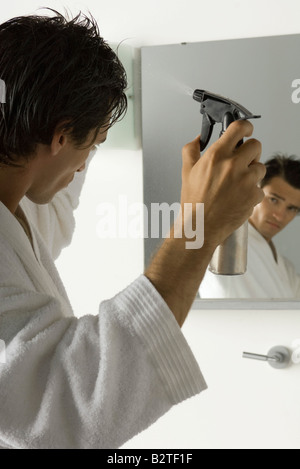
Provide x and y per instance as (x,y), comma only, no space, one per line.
(96,381)
(268,275)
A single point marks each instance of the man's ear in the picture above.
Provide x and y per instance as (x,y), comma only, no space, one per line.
(59,140)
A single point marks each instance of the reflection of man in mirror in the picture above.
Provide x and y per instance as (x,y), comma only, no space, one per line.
(269,275)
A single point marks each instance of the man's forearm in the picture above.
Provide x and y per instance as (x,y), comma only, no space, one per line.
(176,272)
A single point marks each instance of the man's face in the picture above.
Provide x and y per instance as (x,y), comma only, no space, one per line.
(279,207)
(54,173)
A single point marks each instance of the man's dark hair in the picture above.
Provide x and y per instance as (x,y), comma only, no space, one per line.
(284,166)
(56,71)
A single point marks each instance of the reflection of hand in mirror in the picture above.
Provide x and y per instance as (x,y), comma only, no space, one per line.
(269,274)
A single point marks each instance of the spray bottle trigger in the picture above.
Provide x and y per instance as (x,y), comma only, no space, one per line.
(206,131)
(227,119)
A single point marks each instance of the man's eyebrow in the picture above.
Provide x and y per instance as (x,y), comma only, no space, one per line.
(280,197)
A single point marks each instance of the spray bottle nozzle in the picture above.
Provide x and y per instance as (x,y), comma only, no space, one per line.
(216,108)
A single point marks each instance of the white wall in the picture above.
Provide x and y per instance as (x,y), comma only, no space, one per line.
(164,22)
(103,267)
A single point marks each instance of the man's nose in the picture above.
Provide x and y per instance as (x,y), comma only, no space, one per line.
(279,213)
(82,168)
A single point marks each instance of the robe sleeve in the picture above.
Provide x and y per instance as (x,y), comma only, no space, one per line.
(92,382)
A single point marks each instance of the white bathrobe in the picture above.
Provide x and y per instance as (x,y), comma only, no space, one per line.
(264,278)
(89,382)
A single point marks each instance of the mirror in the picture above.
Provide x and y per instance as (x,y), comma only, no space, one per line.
(259,73)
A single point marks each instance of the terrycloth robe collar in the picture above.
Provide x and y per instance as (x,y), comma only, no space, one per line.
(30,256)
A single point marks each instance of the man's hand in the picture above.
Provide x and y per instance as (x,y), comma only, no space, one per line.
(225,179)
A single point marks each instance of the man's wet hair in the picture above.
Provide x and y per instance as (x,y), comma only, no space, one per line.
(58,73)
(285,166)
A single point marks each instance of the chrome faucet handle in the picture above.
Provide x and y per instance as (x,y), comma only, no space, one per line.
(278,357)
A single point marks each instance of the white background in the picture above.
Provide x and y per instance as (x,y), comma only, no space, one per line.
(247,404)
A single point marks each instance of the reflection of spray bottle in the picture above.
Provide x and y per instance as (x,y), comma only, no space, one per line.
(230,258)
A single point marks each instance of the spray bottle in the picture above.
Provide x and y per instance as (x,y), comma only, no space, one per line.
(230,257)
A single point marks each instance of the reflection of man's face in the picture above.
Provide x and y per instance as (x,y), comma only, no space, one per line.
(279,207)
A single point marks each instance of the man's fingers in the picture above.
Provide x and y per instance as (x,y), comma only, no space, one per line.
(235,132)
(244,156)
(249,152)
(258,170)
(248,156)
